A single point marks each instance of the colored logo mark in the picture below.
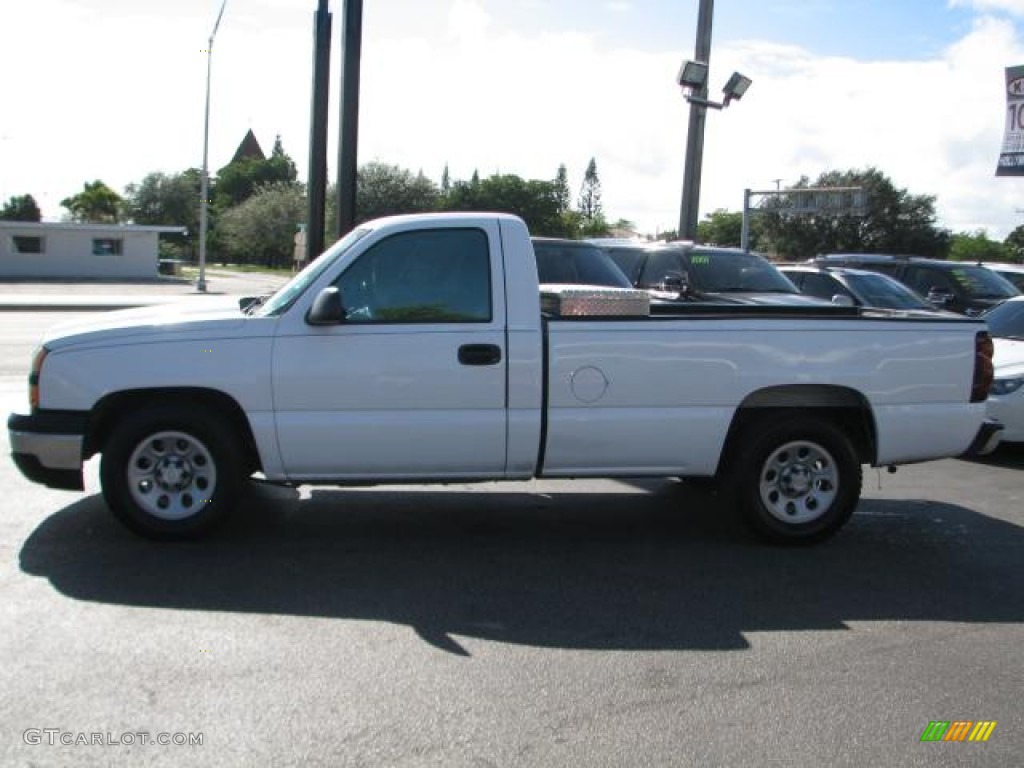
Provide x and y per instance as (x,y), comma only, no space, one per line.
(958,730)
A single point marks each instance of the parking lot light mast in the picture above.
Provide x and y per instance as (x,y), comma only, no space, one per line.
(204,183)
(695,132)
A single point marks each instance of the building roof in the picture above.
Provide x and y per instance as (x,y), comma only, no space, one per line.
(249,148)
(41,226)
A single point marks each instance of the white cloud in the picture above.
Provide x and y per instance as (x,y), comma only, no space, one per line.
(468,21)
(456,88)
(934,127)
(1015,7)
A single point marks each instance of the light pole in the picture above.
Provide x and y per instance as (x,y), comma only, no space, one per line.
(204,183)
(695,132)
(693,78)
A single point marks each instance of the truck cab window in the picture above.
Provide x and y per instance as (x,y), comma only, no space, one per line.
(425,276)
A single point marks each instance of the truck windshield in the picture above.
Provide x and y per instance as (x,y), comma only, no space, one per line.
(877,290)
(735,272)
(983,283)
(290,291)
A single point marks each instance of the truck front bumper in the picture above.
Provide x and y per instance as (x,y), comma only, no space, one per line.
(47,447)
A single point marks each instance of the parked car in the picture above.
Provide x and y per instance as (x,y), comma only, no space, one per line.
(1006,397)
(1012,272)
(575,262)
(684,271)
(964,288)
(855,287)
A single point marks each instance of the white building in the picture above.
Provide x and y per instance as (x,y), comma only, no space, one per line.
(66,250)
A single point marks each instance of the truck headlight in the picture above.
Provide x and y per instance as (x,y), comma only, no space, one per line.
(1006,386)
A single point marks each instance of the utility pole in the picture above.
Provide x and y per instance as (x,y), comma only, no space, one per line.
(318,132)
(689,210)
(352,36)
(204,183)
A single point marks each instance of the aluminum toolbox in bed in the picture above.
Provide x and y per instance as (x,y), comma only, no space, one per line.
(589,300)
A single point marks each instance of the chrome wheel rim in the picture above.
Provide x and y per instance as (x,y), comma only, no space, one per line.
(171,475)
(799,482)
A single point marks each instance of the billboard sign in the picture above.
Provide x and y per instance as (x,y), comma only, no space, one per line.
(1011,158)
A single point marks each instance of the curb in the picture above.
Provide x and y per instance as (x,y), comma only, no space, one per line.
(51,303)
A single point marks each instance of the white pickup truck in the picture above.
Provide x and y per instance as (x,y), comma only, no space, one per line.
(416,350)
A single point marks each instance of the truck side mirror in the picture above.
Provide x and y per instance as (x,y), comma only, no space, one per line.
(247,301)
(676,282)
(327,308)
(842,300)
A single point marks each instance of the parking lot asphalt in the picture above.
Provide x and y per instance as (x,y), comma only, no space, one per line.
(585,622)
(59,295)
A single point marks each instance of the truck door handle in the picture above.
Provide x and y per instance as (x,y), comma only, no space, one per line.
(479,354)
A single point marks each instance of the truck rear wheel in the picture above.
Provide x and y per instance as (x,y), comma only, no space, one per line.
(798,479)
(169,472)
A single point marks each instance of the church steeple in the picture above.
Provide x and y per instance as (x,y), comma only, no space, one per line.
(249,148)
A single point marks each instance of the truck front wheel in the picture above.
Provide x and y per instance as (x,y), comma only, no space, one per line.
(170,472)
(799,479)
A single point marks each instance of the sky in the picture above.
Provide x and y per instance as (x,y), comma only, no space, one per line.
(115,89)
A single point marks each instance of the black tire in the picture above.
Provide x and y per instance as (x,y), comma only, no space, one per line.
(171,472)
(798,479)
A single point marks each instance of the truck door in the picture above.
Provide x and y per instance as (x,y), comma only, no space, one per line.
(413,382)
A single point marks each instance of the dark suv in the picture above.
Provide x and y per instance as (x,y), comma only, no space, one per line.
(684,271)
(964,288)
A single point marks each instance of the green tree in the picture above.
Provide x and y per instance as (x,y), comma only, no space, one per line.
(262,229)
(592,222)
(976,246)
(721,227)
(571,221)
(589,204)
(895,221)
(171,200)
(562,194)
(1015,242)
(21,208)
(95,203)
(384,190)
(534,201)
(239,180)
(446,181)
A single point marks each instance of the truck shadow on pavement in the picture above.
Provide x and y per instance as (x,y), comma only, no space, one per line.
(666,569)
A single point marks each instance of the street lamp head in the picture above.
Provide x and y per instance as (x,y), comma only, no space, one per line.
(735,88)
(693,75)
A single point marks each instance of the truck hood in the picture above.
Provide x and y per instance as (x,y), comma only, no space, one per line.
(194,317)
